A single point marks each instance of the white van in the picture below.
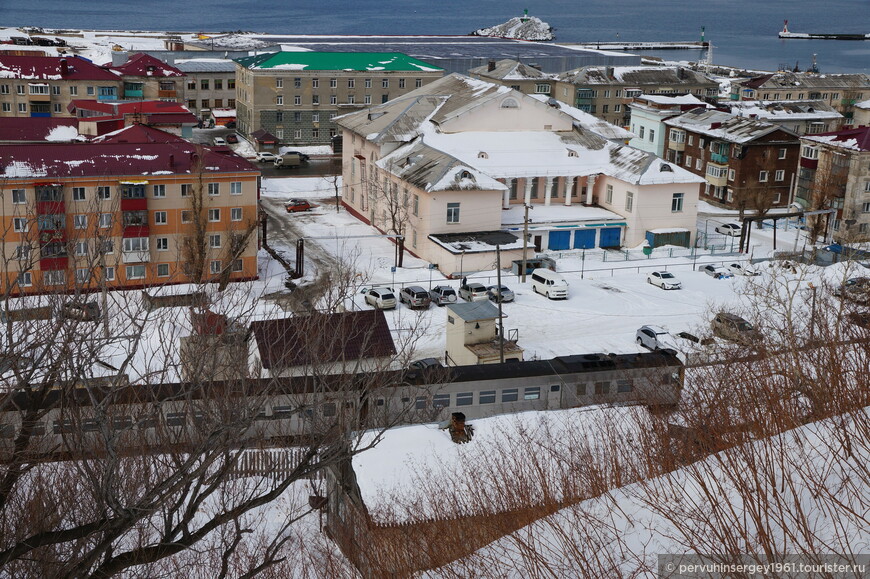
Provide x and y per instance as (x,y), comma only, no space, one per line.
(550,284)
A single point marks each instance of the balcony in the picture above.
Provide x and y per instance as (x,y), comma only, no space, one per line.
(809,163)
(133,94)
(719,158)
(54,263)
(676,145)
(134,204)
(167,94)
(143,256)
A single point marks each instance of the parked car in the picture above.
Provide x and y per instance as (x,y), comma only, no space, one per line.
(232,138)
(856,289)
(473,292)
(297,205)
(732,229)
(742,269)
(426,363)
(79,310)
(382,298)
(415,296)
(695,339)
(664,279)
(655,338)
(717,272)
(442,294)
(266,157)
(500,293)
(219,142)
(549,283)
(732,327)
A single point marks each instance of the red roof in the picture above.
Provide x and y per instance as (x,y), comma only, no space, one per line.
(155,112)
(142,64)
(323,338)
(860,136)
(52,68)
(32,128)
(122,153)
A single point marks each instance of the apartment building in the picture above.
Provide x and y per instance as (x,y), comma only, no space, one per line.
(210,83)
(799,117)
(138,207)
(840,91)
(747,164)
(648,113)
(835,174)
(44,86)
(605,91)
(525,78)
(148,78)
(296,95)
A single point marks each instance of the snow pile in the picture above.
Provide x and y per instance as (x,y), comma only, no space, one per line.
(62,134)
(520,28)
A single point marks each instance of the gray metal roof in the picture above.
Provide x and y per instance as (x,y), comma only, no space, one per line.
(510,68)
(206,65)
(635,75)
(724,126)
(474,311)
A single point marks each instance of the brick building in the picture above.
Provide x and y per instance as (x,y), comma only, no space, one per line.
(748,164)
(120,210)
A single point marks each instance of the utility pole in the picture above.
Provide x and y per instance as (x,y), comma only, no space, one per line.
(525,240)
(500,319)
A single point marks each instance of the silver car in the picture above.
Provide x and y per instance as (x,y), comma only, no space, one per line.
(500,293)
(442,294)
(473,292)
(381,298)
(655,338)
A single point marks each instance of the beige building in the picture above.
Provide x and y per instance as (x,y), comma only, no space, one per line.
(44,86)
(605,91)
(296,95)
(449,166)
(521,77)
(148,78)
(210,83)
(840,91)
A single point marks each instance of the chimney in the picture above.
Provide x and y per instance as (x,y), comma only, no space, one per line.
(535,65)
(491,65)
(609,71)
(64,67)
(172,160)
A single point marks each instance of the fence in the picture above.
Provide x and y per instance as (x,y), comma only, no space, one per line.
(274,463)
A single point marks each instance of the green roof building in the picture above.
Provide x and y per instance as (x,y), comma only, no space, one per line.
(295,95)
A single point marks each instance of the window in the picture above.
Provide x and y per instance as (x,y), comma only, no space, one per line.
(401,83)
(4,89)
(237,265)
(652,135)
(367,99)
(105,220)
(532,393)
(7,107)
(162,270)
(779,175)
(418,82)
(297,134)
(214,241)
(315,133)
(279,100)
(385,83)
(602,388)
(297,82)
(203,84)
(215,266)
(214,215)
(279,117)
(333,100)
(54,277)
(297,117)
(236,214)
(716,172)
(19,196)
(625,385)
(416,206)
(762,177)
(160,218)
(203,103)
(25,279)
(453,213)
(629,201)
(486,397)
(351,99)
(83,275)
(865,207)
(279,134)
(420,403)
(782,153)
(162,243)
(80,221)
(22,252)
(440,401)
(109,274)
(542,88)
(135,244)
(107,247)
(214,189)
(640,134)
(351,83)
(677,203)
(699,162)
(315,83)
(315,99)
(509,395)
(297,100)
(279,83)
(186,217)
(464,398)
(315,117)
(159,191)
(22,107)
(730,174)
(135,272)
(19,89)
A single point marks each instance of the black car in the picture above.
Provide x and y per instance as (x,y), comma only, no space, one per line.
(302,156)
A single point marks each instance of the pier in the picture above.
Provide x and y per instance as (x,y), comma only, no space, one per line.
(688,45)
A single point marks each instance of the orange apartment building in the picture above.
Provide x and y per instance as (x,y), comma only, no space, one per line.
(134,208)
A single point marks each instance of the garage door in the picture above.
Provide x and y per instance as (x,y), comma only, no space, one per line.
(559,240)
(584,239)
(610,237)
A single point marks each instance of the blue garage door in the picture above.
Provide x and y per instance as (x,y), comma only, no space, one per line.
(559,240)
(584,239)
(610,237)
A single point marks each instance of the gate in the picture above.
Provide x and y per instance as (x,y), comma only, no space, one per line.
(584,239)
(610,237)
(559,240)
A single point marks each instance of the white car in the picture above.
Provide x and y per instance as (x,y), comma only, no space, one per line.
(220,142)
(266,157)
(664,279)
(732,229)
(655,338)
(742,269)
(382,298)
(717,272)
